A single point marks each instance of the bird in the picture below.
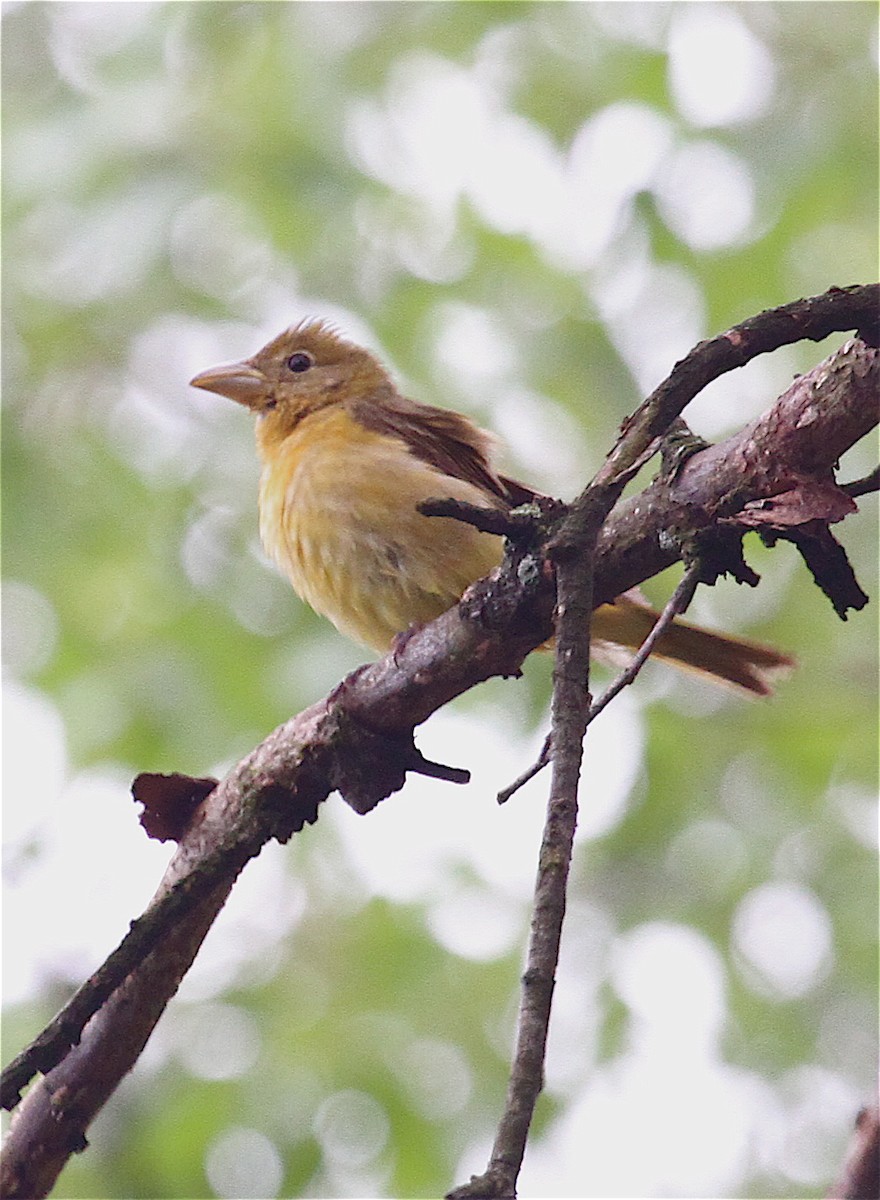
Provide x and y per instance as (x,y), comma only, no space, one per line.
(346,459)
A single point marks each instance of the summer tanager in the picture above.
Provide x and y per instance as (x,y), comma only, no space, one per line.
(345,461)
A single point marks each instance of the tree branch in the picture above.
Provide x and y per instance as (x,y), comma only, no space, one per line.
(820,416)
(864,487)
(359,739)
(860,1176)
(572,549)
(677,605)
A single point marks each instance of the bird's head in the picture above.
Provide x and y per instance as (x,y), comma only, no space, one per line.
(306,368)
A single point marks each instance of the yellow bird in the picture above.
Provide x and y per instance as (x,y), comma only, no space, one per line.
(346,459)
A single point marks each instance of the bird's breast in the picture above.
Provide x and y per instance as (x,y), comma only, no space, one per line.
(338,516)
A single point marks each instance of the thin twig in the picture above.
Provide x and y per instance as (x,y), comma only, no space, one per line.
(501,521)
(677,604)
(573,551)
(864,486)
(529,773)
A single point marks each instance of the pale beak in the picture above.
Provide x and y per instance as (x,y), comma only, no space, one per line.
(239,381)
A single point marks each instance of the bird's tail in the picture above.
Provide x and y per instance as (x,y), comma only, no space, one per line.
(747,666)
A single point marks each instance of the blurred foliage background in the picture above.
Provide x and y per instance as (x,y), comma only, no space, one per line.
(530,210)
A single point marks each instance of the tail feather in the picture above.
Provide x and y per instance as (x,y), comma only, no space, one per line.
(747,666)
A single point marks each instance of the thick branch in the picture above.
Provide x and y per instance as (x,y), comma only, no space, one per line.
(807,430)
(50,1124)
(352,740)
(811,320)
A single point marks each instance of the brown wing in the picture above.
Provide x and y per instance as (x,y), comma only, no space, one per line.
(444,439)
(519,493)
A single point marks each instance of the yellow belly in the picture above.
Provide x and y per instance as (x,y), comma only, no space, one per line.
(338,516)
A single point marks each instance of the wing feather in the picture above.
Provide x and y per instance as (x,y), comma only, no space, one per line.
(445,440)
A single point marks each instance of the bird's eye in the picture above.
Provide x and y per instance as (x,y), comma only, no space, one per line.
(270,404)
(299,362)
